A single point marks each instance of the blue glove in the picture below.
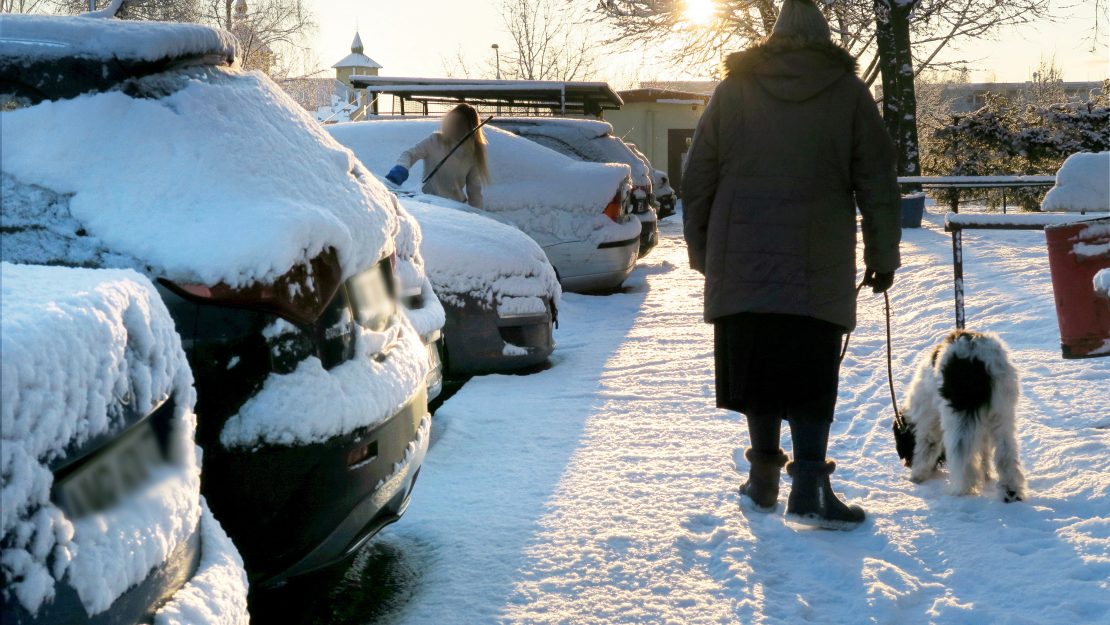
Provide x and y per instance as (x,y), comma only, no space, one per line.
(398,175)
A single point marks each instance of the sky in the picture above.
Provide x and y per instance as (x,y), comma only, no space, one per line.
(424,37)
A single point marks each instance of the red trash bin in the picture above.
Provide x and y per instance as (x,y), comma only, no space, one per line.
(1076,252)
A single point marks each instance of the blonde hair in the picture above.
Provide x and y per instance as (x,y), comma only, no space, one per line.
(469,115)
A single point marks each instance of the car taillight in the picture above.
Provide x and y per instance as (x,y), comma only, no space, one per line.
(300,295)
(615,208)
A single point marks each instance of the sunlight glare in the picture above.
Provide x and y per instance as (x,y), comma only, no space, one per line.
(699,12)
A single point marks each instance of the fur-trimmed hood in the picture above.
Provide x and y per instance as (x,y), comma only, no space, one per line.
(792,68)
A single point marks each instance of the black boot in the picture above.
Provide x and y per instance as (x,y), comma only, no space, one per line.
(812,500)
(762,487)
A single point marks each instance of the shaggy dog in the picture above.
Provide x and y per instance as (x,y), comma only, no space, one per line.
(961,408)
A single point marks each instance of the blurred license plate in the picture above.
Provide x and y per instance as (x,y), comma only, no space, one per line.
(105,478)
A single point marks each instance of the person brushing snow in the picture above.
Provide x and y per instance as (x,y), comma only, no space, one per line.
(462,175)
(789,145)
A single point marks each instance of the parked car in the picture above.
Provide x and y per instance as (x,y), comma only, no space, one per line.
(270,245)
(102,519)
(665,194)
(593,141)
(500,291)
(579,213)
(420,303)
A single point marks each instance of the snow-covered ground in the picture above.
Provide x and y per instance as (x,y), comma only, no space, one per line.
(603,490)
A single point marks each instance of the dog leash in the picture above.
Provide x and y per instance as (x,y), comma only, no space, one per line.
(899,420)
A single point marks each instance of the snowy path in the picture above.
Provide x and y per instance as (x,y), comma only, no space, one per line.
(603,489)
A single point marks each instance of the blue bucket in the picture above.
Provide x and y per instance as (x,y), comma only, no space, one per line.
(913,208)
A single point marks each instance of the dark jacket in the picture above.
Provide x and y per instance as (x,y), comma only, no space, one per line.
(790,144)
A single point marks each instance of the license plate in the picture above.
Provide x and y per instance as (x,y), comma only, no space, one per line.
(104,479)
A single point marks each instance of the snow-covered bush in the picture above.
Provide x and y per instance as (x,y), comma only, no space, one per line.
(1003,138)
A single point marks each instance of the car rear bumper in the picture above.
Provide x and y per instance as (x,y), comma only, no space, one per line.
(649,234)
(434,343)
(137,604)
(293,510)
(480,340)
(597,268)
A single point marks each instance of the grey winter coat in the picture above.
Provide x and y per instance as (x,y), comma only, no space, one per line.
(789,145)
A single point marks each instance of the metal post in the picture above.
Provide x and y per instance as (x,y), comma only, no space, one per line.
(958,274)
(497,55)
(1003,200)
(92,5)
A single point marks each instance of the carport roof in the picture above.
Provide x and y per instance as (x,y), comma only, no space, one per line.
(571,97)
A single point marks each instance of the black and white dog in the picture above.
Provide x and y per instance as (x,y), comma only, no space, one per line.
(961,407)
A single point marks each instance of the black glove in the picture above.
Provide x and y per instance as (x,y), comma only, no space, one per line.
(879,281)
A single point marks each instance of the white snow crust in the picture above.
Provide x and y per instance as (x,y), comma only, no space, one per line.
(73,342)
(1082,184)
(217,592)
(360,392)
(51,37)
(619,506)
(470,255)
(430,317)
(222,179)
(551,197)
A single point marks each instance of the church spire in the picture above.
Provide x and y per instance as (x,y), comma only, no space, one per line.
(356,45)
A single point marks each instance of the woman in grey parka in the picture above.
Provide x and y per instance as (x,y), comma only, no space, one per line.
(790,144)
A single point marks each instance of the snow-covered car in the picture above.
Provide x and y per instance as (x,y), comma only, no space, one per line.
(665,195)
(419,300)
(579,213)
(270,244)
(500,292)
(102,517)
(592,140)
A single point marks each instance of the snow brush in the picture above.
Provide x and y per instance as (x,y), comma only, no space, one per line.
(458,145)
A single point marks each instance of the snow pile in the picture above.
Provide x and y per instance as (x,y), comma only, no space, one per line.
(582,139)
(1082,184)
(1093,241)
(387,369)
(43,37)
(74,341)
(217,593)
(430,317)
(551,197)
(470,255)
(1102,283)
(217,176)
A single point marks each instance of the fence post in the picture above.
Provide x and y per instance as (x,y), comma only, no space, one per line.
(958,274)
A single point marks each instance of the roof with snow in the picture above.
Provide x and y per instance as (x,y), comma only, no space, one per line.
(26,38)
(663,96)
(567,97)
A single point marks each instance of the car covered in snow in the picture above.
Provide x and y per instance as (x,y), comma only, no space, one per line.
(592,141)
(665,195)
(579,213)
(500,292)
(419,301)
(271,247)
(102,517)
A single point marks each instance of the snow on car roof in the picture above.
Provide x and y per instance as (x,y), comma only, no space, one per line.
(72,343)
(472,255)
(591,139)
(218,177)
(42,37)
(1082,184)
(525,175)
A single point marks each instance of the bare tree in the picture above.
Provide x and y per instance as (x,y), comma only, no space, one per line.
(161,10)
(25,6)
(547,42)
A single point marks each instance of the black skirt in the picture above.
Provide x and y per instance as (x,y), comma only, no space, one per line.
(786,366)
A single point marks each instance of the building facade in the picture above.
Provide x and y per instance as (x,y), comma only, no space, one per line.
(661,122)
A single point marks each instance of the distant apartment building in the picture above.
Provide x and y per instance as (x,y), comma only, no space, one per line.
(967,97)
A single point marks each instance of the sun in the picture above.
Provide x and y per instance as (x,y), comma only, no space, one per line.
(699,12)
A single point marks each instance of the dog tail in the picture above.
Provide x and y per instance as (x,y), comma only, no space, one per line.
(966,384)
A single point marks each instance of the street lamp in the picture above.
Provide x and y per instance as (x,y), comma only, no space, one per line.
(497,55)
